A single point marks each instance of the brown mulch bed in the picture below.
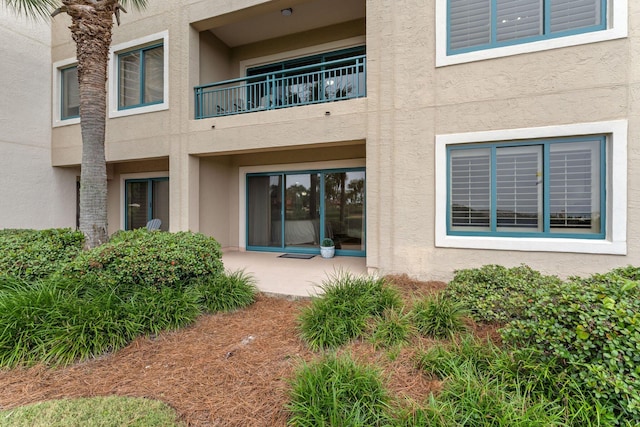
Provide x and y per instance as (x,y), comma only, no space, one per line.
(227,369)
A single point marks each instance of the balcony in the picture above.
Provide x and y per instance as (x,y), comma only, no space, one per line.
(322,82)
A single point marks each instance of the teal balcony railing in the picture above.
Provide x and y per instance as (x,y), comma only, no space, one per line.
(311,84)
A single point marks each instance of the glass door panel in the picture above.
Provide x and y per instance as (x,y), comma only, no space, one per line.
(302,210)
(264,211)
(344,209)
(137,204)
(146,199)
(160,202)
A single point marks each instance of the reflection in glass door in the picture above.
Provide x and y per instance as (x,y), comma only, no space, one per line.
(146,199)
(344,209)
(264,211)
(302,214)
(295,211)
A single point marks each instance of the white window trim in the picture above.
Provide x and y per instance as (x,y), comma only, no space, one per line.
(113,75)
(615,242)
(57,93)
(617,17)
(140,175)
(242,185)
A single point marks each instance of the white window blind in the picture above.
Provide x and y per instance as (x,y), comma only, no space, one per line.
(130,70)
(574,180)
(469,23)
(142,77)
(470,188)
(518,19)
(571,14)
(154,74)
(518,186)
(70,93)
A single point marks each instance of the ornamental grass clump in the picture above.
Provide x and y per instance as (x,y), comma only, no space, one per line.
(344,310)
(392,329)
(438,316)
(225,292)
(45,322)
(336,391)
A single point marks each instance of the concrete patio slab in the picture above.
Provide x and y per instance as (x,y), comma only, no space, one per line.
(289,276)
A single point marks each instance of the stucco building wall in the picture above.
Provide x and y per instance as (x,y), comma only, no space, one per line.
(410,103)
(33,194)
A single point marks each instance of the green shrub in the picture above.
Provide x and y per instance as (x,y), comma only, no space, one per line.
(336,391)
(35,254)
(61,321)
(225,292)
(141,257)
(484,385)
(438,316)
(345,307)
(494,293)
(591,327)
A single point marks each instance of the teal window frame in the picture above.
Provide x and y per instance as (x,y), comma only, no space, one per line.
(546,232)
(141,80)
(290,249)
(149,181)
(64,88)
(546,32)
(307,60)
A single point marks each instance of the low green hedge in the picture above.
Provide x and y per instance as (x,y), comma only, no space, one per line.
(591,328)
(141,257)
(494,293)
(36,254)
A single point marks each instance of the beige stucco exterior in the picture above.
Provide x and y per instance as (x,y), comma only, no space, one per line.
(414,100)
(33,194)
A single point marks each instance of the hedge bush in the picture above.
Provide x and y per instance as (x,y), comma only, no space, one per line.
(591,328)
(494,293)
(141,257)
(36,254)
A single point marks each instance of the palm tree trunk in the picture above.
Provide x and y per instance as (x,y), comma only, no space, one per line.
(92,23)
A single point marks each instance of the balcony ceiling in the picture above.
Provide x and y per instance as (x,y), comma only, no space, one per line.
(256,24)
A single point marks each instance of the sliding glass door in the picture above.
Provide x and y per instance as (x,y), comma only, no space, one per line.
(294,211)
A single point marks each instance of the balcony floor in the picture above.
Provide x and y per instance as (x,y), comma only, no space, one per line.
(288,276)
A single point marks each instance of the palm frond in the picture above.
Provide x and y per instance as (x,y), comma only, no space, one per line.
(33,8)
(137,4)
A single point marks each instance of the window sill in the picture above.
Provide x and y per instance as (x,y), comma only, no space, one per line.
(587,246)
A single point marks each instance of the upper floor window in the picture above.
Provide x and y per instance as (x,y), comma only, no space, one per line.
(141,77)
(546,188)
(470,30)
(70,93)
(482,24)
